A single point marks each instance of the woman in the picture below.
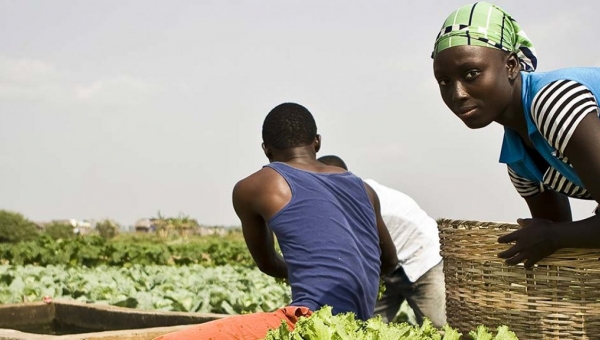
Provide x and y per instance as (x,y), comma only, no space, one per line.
(484,65)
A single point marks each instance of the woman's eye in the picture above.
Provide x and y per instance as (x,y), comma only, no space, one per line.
(472,74)
(443,82)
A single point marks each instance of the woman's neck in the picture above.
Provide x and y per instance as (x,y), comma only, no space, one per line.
(513,117)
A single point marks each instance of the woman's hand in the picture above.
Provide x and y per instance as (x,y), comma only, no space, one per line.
(534,241)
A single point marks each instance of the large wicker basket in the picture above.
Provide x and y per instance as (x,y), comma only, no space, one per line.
(557,299)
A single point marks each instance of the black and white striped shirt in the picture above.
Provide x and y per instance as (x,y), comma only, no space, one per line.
(556,111)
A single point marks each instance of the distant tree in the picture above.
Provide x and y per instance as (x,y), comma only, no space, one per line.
(107,229)
(182,225)
(163,225)
(185,225)
(14,227)
(58,230)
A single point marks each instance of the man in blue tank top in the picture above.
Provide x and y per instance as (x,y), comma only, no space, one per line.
(328,225)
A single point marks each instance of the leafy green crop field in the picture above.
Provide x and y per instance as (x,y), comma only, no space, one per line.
(91,251)
(188,274)
(173,270)
(195,288)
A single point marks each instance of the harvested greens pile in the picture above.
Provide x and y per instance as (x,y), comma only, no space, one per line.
(322,325)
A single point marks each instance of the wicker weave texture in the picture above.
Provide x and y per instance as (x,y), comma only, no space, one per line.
(557,299)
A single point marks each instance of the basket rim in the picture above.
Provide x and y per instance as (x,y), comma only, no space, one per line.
(449,223)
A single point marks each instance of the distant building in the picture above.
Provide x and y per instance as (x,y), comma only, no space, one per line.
(79,226)
(206,230)
(82,227)
(145,225)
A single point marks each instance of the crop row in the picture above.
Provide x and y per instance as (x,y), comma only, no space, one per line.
(91,251)
(195,288)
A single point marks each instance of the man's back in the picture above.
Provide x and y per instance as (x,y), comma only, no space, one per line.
(329,238)
(324,240)
(414,233)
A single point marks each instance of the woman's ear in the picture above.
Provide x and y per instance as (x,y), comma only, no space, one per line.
(513,66)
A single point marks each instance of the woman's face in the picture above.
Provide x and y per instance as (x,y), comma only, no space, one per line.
(476,82)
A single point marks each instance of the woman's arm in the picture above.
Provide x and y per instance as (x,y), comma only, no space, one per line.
(576,133)
(550,205)
(583,151)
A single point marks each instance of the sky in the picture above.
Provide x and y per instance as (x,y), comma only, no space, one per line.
(121,109)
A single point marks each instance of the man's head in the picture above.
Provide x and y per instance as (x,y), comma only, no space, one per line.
(289,126)
(334,161)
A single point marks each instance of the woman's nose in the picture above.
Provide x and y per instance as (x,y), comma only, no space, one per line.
(459,92)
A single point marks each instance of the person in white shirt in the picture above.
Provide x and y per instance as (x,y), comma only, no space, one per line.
(419,277)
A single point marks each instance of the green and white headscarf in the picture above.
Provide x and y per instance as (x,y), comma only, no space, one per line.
(484,24)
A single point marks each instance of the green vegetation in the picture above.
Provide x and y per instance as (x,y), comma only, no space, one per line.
(181,225)
(93,250)
(223,289)
(171,270)
(322,325)
(14,227)
(107,229)
(58,230)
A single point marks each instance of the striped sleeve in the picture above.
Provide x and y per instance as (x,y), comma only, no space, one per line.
(558,108)
(524,187)
(560,183)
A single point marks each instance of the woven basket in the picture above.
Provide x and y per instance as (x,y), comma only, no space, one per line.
(557,299)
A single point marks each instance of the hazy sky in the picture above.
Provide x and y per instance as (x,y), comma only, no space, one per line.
(123,108)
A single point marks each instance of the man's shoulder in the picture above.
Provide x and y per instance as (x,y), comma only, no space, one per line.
(257,179)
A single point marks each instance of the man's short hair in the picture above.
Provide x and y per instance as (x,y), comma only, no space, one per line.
(334,161)
(287,126)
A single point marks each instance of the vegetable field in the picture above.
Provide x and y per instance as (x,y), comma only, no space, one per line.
(213,274)
(193,274)
(195,288)
(93,250)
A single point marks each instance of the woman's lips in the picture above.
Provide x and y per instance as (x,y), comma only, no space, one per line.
(466,111)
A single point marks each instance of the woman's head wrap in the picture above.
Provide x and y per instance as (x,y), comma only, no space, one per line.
(484,24)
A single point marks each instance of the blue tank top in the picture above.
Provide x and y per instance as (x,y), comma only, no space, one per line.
(329,240)
(513,151)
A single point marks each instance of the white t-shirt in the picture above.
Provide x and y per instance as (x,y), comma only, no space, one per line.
(414,233)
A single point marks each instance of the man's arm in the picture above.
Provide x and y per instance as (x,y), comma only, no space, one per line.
(258,236)
(389,257)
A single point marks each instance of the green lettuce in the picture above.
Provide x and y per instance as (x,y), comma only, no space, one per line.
(323,325)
